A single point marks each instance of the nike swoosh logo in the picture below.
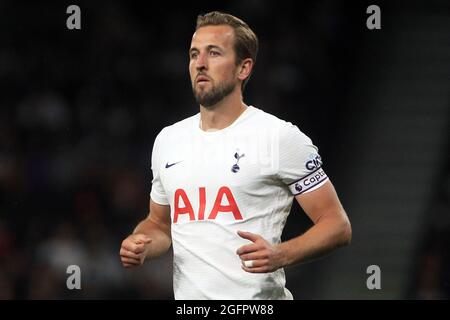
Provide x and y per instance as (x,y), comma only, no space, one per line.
(168,165)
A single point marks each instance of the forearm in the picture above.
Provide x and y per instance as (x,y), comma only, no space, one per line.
(325,236)
(160,235)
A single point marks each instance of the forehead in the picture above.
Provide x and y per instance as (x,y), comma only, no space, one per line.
(222,36)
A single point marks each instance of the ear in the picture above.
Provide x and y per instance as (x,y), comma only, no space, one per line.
(244,69)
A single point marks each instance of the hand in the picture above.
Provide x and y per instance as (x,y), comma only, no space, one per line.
(259,256)
(134,250)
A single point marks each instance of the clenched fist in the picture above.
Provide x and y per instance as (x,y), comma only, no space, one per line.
(134,250)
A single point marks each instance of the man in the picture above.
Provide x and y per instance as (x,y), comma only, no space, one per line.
(224,181)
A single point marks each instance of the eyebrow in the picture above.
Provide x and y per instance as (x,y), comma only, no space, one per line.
(209,47)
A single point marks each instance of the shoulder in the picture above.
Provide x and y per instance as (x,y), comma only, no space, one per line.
(286,130)
(177,129)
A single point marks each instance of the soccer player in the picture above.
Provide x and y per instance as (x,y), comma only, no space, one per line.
(224,181)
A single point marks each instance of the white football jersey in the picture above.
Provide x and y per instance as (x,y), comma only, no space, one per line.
(243,177)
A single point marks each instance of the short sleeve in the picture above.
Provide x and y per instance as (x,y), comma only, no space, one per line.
(300,165)
(158,194)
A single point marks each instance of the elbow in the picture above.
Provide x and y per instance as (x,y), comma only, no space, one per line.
(346,233)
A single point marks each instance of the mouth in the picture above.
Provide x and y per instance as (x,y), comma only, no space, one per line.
(202,79)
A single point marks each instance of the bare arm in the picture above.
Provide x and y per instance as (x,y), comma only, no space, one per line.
(150,239)
(331,230)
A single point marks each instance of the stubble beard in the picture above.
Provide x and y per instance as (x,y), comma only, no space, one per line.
(209,98)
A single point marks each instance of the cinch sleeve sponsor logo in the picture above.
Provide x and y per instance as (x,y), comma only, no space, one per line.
(315,162)
(308,182)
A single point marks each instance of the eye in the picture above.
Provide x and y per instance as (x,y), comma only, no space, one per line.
(214,53)
(193,54)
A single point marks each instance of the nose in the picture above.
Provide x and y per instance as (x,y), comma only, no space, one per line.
(201,63)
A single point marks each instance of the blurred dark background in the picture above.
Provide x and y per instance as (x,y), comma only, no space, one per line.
(80,110)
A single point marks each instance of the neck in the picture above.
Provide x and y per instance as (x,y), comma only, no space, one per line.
(223,113)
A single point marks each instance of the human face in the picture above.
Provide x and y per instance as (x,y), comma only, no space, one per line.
(212,64)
